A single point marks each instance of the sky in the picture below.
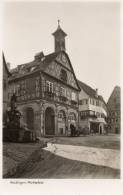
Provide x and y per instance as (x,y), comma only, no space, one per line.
(92,42)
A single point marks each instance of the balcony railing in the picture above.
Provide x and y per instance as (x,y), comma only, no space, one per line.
(74,102)
(63,98)
(88,114)
(49,94)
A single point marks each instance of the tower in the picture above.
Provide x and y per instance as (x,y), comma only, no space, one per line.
(59,39)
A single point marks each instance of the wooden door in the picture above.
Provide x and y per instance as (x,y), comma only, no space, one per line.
(49,122)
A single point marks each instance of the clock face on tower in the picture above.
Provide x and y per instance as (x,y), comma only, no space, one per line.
(63,57)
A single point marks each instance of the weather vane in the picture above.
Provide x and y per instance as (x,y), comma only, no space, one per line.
(59,22)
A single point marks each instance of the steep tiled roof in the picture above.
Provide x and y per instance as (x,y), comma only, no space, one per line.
(115,95)
(90,91)
(51,57)
(5,64)
(102,99)
(37,64)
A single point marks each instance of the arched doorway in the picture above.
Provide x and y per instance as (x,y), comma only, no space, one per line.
(116,130)
(100,129)
(49,121)
(61,122)
(30,118)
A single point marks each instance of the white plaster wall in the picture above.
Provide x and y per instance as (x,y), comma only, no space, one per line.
(97,109)
(82,96)
(84,123)
(89,106)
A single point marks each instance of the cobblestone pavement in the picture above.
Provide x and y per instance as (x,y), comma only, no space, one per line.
(16,155)
(97,156)
(111,141)
(73,160)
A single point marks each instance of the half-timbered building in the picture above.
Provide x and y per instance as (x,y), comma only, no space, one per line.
(47,91)
(114,111)
(92,109)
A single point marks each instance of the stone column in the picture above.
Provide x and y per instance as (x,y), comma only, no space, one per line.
(89,125)
(42,125)
(67,123)
(37,124)
(77,125)
(56,121)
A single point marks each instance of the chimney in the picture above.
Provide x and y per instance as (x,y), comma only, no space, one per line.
(39,56)
(96,92)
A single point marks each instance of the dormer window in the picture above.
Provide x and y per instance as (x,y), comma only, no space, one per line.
(32,68)
(63,75)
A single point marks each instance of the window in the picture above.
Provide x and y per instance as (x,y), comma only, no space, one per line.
(84,113)
(68,94)
(63,75)
(61,115)
(72,116)
(37,84)
(49,86)
(18,90)
(73,96)
(98,114)
(97,103)
(86,101)
(25,85)
(83,102)
(102,115)
(63,91)
(93,102)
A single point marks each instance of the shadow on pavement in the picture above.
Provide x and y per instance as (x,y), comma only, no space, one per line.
(51,166)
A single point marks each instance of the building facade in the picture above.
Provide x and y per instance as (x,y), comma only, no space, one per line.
(6,75)
(92,110)
(114,111)
(47,91)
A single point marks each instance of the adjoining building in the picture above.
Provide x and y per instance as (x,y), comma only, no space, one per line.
(6,75)
(114,111)
(92,110)
(47,91)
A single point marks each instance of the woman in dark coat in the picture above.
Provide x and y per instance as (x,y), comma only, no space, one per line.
(72,128)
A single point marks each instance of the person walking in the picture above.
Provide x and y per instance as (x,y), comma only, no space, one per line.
(72,128)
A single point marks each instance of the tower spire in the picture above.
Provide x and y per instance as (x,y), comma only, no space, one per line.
(59,38)
(59,24)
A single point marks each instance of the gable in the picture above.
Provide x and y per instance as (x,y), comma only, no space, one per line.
(54,69)
(5,68)
(58,63)
(114,100)
(62,59)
